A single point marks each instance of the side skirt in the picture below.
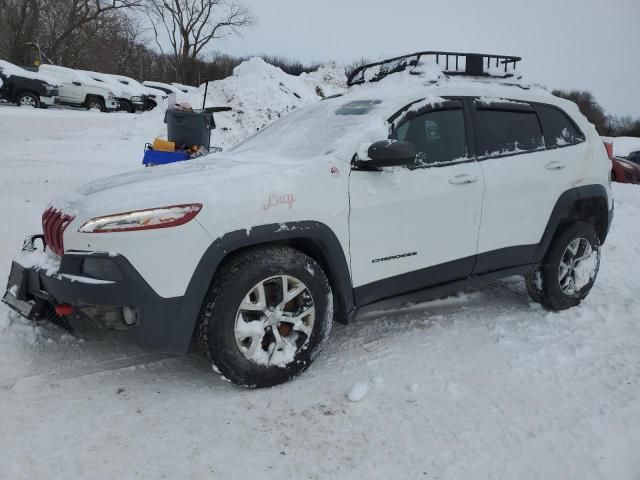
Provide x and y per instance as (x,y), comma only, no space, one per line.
(443,290)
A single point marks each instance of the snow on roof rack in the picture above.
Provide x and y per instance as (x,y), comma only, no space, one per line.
(451,63)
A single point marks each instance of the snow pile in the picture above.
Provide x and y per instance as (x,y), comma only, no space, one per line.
(358,391)
(259,94)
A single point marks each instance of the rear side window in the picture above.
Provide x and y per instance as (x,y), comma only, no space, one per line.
(559,130)
(501,132)
(438,136)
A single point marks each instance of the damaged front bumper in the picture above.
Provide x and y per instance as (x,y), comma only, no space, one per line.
(102,288)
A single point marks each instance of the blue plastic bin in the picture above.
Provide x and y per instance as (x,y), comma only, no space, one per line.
(155,157)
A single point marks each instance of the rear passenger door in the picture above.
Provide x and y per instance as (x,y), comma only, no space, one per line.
(523,182)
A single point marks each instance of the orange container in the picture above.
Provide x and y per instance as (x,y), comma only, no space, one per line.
(162,145)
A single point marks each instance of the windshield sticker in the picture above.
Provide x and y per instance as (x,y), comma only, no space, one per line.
(359,107)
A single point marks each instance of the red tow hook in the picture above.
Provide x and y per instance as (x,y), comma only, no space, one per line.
(64,310)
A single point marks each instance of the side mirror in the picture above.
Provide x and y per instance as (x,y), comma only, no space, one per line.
(78,84)
(389,153)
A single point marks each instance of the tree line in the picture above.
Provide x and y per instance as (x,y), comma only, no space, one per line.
(607,125)
(117,36)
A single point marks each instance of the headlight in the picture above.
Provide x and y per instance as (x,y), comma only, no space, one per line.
(136,99)
(161,217)
(109,95)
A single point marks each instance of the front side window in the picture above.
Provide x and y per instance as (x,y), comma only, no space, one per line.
(559,130)
(500,132)
(437,136)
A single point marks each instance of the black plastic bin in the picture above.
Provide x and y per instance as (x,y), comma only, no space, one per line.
(189,128)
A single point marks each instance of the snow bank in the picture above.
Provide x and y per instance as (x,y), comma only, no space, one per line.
(259,94)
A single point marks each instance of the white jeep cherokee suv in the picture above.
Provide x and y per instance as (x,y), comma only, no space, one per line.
(433,171)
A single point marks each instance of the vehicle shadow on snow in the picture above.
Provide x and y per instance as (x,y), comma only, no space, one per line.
(91,351)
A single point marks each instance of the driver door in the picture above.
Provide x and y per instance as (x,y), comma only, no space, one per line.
(416,227)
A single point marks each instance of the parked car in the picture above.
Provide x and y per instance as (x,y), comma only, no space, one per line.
(634,157)
(412,180)
(79,90)
(26,88)
(165,87)
(154,97)
(122,93)
(622,170)
(139,91)
(185,88)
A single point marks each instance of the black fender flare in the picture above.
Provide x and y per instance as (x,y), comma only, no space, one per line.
(564,210)
(180,330)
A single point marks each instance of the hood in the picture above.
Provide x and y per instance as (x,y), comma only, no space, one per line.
(199,180)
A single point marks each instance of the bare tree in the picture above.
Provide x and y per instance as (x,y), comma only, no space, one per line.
(191,25)
(68,24)
(18,24)
(588,105)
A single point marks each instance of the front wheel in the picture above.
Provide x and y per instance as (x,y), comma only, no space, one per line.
(266,316)
(95,104)
(27,99)
(569,269)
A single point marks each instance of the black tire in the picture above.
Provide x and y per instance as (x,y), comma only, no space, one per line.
(231,285)
(127,106)
(533,282)
(547,288)
(94,102)
(28,99)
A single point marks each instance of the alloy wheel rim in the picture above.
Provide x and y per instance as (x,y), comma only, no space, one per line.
(576,253)
(275,320)
(27,101)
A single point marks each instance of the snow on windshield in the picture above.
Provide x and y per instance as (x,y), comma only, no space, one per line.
(331,127)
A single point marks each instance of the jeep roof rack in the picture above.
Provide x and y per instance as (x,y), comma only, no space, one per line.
(452,63)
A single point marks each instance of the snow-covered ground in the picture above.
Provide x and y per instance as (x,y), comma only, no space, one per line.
(482,385)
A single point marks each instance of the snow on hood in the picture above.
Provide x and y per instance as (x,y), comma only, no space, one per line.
(9,69)
(182,182)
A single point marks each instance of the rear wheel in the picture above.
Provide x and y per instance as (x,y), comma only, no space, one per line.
(266,316)
(28,99)
(95,104)
(569,269)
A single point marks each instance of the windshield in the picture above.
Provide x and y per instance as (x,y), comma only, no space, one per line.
(335,126)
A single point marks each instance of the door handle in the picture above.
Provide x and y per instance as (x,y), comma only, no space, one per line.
(555,166)
(463,179)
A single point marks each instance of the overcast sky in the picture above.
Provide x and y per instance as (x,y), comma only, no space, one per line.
(586,44)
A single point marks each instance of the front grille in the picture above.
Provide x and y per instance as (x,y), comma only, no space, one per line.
(54,92)
(54,223)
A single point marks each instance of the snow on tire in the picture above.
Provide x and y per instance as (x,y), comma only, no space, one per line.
(266,316)
(569,269)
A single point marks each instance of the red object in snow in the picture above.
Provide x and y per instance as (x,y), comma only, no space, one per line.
(64,310)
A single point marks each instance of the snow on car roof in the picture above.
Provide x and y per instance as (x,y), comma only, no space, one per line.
(9,69)
(325,129)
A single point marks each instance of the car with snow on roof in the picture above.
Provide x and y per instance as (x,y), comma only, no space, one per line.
(79,90)
(26,88)
(433,172)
